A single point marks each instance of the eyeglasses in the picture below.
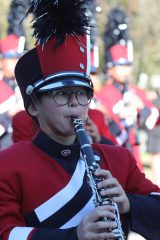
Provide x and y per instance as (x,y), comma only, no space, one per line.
(62,97)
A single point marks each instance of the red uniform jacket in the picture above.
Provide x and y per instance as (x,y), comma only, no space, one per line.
(99,119)
(6,97)
(110,96)
(44,191)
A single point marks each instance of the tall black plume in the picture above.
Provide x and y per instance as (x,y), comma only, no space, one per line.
(116,30)
(58,18)
(16,14)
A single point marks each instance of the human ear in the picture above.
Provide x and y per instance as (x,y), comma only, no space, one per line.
(32,109)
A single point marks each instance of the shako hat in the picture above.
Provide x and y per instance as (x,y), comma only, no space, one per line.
(11,46)
(118,46)
(62,53)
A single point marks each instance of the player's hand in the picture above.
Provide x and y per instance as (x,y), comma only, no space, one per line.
(113,190)
(92,228)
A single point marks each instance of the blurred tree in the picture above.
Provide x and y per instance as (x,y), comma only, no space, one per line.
(3,20)
(146,35)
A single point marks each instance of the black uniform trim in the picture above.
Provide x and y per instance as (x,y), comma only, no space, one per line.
(145,215)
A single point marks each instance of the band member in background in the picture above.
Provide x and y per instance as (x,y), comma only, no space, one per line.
(13,44)
(153,141)
(127,105)
(7,98)
(24,127)
(97,121)
(9,57)
(11,48)
(44,189)
(102,133)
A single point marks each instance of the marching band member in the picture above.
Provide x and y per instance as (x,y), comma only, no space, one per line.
(127,105)
(44,190)
(7,97)
(11,48)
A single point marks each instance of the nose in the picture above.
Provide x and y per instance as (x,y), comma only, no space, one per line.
(73,100)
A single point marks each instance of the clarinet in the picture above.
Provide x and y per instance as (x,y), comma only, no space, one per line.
(92,164)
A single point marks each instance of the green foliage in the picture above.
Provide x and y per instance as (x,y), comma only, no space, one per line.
(3,13)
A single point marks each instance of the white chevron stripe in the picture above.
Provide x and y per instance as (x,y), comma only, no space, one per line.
(73,222)
(62,197)
(155,193)
(20,233)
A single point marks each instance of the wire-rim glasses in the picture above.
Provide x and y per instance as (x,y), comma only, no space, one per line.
(63,96)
